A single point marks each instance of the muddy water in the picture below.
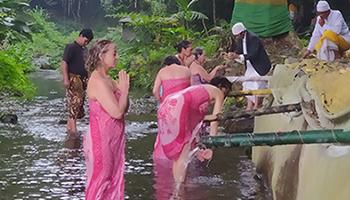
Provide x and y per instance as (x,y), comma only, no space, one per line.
(38,161)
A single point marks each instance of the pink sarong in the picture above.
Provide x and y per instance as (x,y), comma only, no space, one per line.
(174,85)
(104,155)
(179,119)
(169,86)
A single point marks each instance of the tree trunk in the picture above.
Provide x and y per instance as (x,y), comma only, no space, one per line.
(214,12)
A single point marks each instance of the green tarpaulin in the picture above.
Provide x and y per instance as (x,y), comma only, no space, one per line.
(266,18)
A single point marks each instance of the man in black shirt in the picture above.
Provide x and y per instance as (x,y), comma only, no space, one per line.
(251,52)
(75,77)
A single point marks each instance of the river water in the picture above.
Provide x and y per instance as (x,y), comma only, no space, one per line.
(39,161)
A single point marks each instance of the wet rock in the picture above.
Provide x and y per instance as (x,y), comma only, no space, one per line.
(143,106)
(62,121)
(43,62)
(147,96)
(153,126)
(239,126)
(290,60)
(8,118)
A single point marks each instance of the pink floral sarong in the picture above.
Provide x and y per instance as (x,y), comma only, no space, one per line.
(104,155)
(169,86)
(179,119)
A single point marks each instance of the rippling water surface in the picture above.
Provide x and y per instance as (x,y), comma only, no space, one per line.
(39,161)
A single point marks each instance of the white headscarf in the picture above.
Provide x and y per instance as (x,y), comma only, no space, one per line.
(322,6)
(238,28)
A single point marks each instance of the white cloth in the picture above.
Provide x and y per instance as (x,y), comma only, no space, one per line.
(326,51)
(334,22)
(322,6)
(238,28)
(250,72)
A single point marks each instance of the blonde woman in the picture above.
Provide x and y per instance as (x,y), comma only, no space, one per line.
(104,144)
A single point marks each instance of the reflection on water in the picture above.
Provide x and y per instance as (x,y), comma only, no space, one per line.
(35,167)
(39,161)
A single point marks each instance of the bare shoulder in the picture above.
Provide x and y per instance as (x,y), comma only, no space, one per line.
(184,69)
(97,85)
(196,67)
(212,90)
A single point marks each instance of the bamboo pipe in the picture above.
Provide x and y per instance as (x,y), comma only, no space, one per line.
(277,138)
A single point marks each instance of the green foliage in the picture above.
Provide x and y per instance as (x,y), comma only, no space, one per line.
(16,58)
(12,73)
(156,36)
(305,41)
(12,26)
(46,39)
(186,14)
(148,28)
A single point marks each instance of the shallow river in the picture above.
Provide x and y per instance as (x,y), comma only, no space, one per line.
(38,161)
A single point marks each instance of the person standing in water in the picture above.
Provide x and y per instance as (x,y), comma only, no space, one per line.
(104,144)
(199,74)
(173,77)
(179,118)
(75,78)
(184,53)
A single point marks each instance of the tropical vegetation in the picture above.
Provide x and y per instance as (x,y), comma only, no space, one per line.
(32,30)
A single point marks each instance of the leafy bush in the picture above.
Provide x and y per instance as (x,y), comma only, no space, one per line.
(12,74)
(155,39)
(46,39)
(12,25)
(16,58)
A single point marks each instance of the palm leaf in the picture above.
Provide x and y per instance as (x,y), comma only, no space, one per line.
(182,4)
(192,2)
(197,15)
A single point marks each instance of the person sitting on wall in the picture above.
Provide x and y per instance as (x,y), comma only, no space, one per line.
(331,36)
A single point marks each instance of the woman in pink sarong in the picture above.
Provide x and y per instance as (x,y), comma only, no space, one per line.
(199,74)
(180,116)
(105,141)
(171,78)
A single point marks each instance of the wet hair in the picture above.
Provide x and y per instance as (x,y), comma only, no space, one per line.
(183,44)
(171,60)
(86,32)
(98,48)
(221,82)
(198,51)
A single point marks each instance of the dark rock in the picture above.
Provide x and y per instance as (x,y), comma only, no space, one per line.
(239,126)
(62,121)
(146,96)
(8,118)
(153,126)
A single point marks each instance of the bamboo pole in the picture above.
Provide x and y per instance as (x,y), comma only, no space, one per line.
(250,114)
(277,138)
(250,92)
(247,78)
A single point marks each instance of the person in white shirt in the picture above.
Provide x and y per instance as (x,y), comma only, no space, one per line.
(331,35)
(251,52)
